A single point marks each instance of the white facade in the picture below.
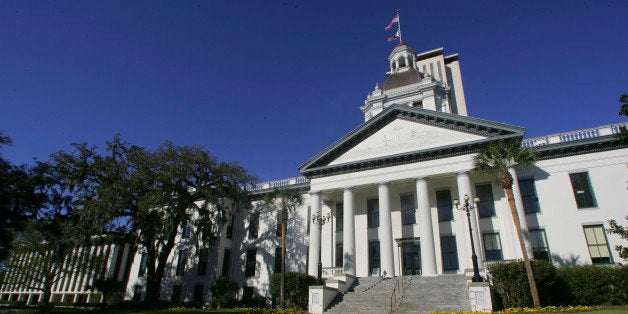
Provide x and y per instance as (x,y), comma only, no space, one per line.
(389,185)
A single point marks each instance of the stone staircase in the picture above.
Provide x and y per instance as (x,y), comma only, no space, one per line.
(445,293)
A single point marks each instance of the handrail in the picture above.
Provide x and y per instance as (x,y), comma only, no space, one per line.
(393,296)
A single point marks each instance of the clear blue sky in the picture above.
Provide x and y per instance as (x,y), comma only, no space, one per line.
(272,83)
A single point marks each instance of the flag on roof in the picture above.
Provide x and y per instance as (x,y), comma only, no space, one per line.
(394,20)
(395,36)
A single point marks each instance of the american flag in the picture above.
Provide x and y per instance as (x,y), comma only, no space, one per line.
(394,20)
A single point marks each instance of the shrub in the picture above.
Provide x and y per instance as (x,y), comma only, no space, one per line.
(511,283)
(595,285)
(296,288)
(221,288)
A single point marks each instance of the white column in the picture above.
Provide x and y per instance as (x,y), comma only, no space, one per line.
(464,187)
(516,191)
(426,232)
(385,232)
(315,235)
(348,232)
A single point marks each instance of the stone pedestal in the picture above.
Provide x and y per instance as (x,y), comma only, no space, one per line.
(480,297)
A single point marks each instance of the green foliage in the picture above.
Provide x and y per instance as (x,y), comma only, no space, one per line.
(623,131)
(297,287)
(622,232)
(221,288)
(569,285)
(497,156)
(595,285)
(109,287)
(511,283)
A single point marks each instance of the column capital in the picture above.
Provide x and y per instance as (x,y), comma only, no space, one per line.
(348,188)
(463,172)
(315,193)
(383,183)
(423,178)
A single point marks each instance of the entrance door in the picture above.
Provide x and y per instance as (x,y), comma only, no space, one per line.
(411,251)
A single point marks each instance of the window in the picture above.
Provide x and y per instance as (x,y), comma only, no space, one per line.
(598,246)
(230,226)
(486,207)
(176,293)
(417,104)
(309,218)
(339,216)
(143,262)
(528,194)
(183,259)
(137,293)
(250,263)
(492,247)
(278,224)
(539,245)
(582,190)
(444,205)
(449,252)
(226,260)
(186,230)
(408,210)
(278,260)
(247,293)
(198,293)
(374,259)
(372,207)
(253,225)
(203,258)
(339,255)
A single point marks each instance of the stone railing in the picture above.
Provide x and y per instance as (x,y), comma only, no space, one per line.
(572,136)
(330,272)
(277,184)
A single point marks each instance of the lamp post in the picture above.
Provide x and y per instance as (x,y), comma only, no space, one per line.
(467,208)
(320,219)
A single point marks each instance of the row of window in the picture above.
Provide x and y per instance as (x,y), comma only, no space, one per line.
(203,260)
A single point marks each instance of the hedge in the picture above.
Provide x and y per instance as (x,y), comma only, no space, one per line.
(296,288)
(569,285)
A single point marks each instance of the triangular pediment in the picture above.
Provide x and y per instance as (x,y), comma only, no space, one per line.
(402,134)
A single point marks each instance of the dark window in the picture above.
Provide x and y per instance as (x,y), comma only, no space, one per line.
(539,245)
(417,104)
(187,230)
(253,225)
(230,226)
(598,245)
(143,262)
(408,210)
(374,258)
(528,194)
(444,205)
(226,260)
(307,258)
(492,247)
(203,259)
(449,252)
(309,218)
(250,263)
(183,259)
(247,293)
(339,255)
(198,293)
(486,205)
(279,223)
(176,293)
(137,293)
(582,190)
(372,207)
(278,260)
(339,216)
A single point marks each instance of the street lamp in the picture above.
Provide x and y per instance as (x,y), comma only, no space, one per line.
(320,219)
(467,208)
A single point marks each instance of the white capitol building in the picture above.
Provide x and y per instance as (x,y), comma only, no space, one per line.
(388,187)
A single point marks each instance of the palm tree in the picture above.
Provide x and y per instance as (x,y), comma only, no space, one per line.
(285,200)
(496,158)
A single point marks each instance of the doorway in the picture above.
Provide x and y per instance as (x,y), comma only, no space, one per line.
(411,256)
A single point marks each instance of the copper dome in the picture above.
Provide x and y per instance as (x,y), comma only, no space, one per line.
(403,78)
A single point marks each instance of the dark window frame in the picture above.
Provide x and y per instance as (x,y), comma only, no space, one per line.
(530,198)
(445,208)
(449,252)
(486,206)
(582,190)
(598,260)
(493,254)
(408,215)
(253,226)
(181,263)
(250,263)
(372,210)
(540,251)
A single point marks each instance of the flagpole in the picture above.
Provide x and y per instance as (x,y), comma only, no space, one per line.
(399,26)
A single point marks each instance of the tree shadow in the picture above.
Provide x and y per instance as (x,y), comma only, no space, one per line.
(570,260)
